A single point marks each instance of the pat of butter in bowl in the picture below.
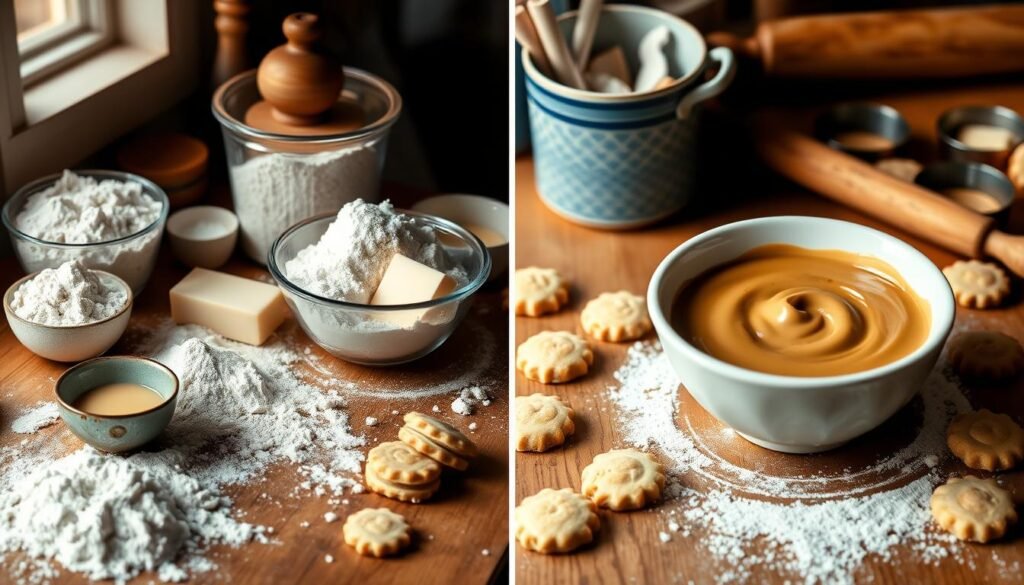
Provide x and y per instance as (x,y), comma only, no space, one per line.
(793,311)
(406,281)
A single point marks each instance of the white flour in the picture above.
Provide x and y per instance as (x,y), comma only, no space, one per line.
(70,294)
(819,528)
(42,415)
(274,191)
(468,399)
(81,210)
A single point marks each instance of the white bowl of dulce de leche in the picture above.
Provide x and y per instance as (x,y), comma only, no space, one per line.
(800,333)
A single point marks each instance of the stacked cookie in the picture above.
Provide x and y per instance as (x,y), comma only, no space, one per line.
(409,470)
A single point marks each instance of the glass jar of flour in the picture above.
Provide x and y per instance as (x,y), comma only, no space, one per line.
(278,178)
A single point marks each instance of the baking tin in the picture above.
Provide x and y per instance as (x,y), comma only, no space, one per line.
(951,121)
(944,175)
(870,117)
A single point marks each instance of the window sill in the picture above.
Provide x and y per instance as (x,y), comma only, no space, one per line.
(62,91)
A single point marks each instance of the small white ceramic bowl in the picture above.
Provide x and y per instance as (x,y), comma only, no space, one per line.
(789,413)
(474,210)
(203,236)
(70,343)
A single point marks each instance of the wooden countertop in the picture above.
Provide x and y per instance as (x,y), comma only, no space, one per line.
(468,516)
(627,548)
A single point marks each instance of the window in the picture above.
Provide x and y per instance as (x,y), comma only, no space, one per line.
(54,34)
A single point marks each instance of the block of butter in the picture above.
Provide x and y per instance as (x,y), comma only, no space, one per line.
(237,308)
(407,281)
(986,137)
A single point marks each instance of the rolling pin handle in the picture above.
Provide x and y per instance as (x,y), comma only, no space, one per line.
(1007,249)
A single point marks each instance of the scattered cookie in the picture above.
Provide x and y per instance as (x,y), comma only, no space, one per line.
(539,291)
(399,491)
(426,446)
(441,433)
(985,440)
(980,285)
(542,422)
(555,521)
(1015,168)
(973,509)
(904,169)
(394,461)
(377,532)
(986,355)
(554,356)
(623,479)
(618,316)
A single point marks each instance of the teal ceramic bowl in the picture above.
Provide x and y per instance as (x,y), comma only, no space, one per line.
(117,433)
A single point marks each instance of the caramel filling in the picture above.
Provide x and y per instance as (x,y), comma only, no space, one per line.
(792,311)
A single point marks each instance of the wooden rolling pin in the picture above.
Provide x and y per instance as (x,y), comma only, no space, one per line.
(951,42)
(860,186)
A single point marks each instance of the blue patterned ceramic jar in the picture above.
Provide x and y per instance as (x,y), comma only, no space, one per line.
(623,161)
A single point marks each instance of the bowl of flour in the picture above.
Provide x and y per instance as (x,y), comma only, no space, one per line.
(106,220)
(329,266)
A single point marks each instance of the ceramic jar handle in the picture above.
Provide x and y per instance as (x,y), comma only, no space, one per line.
(714,86)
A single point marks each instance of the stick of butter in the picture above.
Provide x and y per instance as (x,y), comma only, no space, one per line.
(986,137)
(407,281)
(238,308)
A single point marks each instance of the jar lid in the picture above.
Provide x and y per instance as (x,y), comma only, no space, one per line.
(169,159)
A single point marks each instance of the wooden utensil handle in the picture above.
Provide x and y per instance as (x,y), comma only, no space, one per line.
(949,42)
(860,186)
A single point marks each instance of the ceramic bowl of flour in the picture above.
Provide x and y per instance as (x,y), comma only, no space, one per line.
(799,414)
(70,343)
(381,334)
(131,206)
(203,236)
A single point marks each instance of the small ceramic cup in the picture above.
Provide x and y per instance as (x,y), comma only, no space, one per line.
(472,211)
(117,433)
(203,236)
(623,161)
(70,343)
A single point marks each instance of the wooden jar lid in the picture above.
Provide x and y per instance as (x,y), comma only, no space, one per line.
(301,85)
(169,159)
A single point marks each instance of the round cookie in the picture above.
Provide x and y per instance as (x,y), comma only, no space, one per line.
(623,479)
(980,285)
(542,422)
(376,532)
(618,316)
(986,355)
(555,521)
(402,492)
(441,433)
(426,446)
(397,462)
(1015,168)
(554,356)
(539,291)
(973,509)
(985,440)
(904,169)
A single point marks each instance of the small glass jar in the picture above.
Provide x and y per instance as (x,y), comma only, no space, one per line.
(278,180)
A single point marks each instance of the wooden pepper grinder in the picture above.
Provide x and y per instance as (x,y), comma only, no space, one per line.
(231,27)
(301,86)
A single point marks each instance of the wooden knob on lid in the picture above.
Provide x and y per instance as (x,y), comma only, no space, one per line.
(300,82)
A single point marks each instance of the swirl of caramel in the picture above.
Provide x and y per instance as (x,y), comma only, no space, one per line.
(798,312)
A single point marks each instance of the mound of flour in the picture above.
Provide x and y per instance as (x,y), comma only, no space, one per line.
(70,294)
(349,261)
(81,210)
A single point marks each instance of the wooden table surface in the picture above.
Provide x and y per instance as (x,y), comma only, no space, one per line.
(627,549)
(468,516)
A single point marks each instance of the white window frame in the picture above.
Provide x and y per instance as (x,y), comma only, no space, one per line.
(90,27)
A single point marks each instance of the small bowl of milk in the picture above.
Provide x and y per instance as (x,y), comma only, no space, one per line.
(485,218)
(118,403)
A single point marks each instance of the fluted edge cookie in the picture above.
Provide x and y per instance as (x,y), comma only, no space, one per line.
(542,422)
(555,521)
(376,532)
(413,494)
(425,446)
(623,479)
(985,440)
(986,355)
(552,357)
(973,509)
(616,316)
(1015,168)
(980,285)
(539,291)
(395,461)
(441,433)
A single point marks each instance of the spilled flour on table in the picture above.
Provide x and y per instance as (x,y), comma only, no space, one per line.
(822,533)
(42,415)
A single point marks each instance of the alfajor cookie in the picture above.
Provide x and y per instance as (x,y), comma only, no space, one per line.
(542,422)
(414,494)
(554,356)
(980,285)
(973,509)
(539,291)
(395,461)
(426,446)
(376,532)
(985,440)
(616,316)
(441,433)
(555,521)
(623,479)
